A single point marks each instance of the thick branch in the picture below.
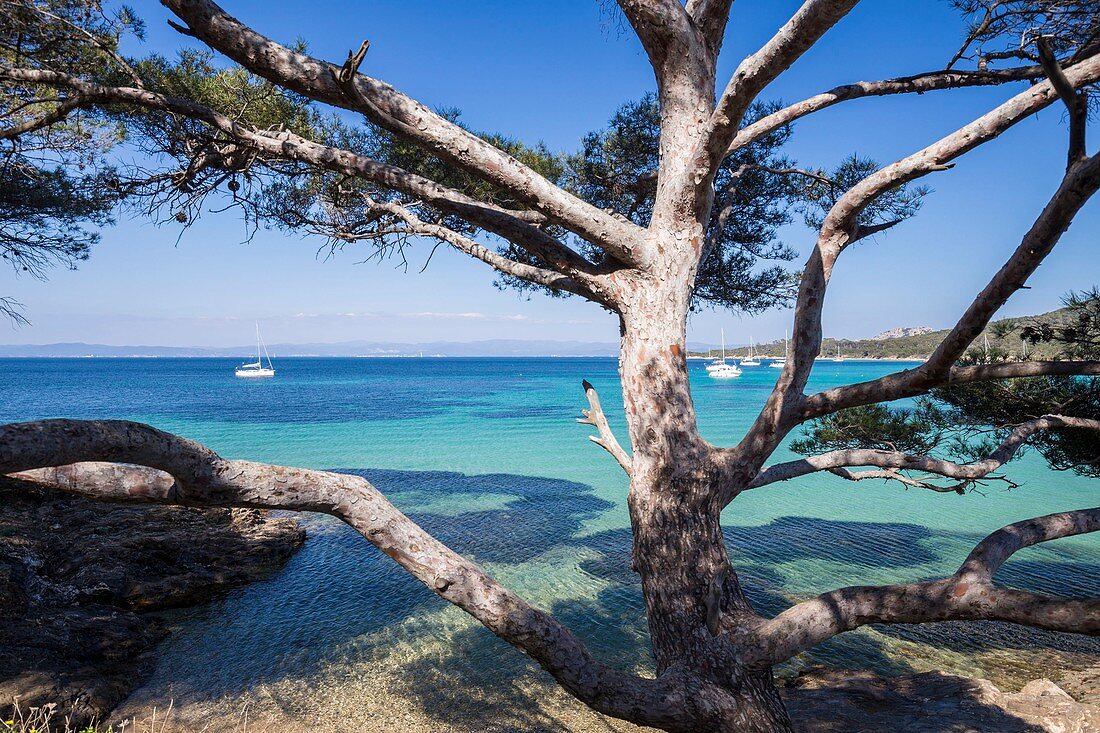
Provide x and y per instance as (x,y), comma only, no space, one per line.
(538,275)
(908,384)
(711,17)
(512,225)
(752,75)
(661,25)
(966,473)
(606,439)
(398,113)
(63,454)
(1081,181)
(969,594)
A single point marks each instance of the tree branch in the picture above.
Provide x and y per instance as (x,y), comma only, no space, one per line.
(511,225)
(538,275)
(1080,182)
(711,17)
(969,594)
(1076,102)
(787,406)
(755,72)
(917,84)
(909,384)
(661,26)
(385,106)
(64,453)
(606,439)
(966,473)
(58,113)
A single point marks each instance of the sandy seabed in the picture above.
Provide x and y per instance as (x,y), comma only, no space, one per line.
(413,687)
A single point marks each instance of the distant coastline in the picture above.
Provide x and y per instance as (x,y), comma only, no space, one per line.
(904,359)
(349,349)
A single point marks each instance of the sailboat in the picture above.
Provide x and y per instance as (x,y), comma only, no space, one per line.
(256,368)
(838,356)
(780,362)
(720,368)
(752,360)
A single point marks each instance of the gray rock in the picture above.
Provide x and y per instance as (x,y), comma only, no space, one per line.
(831,701)
(79,580)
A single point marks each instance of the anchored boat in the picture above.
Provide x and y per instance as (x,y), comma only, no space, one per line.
(256,368)
(720,368)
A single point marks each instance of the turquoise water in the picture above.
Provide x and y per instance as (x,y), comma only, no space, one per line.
(485,453)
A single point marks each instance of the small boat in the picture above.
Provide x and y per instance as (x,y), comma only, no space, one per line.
(780,362)
(752,360)
(256,368)
(720,368)
(838,356)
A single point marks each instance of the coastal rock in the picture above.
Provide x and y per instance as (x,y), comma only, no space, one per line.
(1084,686)
(830,701)
(78,579)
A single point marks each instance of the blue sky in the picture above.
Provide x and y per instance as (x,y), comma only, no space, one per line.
(551,72)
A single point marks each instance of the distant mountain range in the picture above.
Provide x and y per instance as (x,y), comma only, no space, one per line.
(496,347)
(897,343)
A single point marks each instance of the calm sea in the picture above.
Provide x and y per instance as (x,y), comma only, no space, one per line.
(485,453)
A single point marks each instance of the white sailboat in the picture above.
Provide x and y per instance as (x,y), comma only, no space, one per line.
(720,368)
(256,368)
(752,360)
(780,362)
(838,356)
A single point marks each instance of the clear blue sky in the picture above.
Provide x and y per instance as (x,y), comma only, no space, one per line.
(551,72)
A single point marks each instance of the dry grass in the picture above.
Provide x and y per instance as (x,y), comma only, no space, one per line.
(47,719)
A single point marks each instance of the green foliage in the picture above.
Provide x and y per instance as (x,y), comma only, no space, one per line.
(186,168)
(1002,404)
(616,170)
(43,213)
(54,181)
(968,421)
(1077,334)
(895,205)
(879,427)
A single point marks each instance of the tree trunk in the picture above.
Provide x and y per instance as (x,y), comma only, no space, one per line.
(691,591)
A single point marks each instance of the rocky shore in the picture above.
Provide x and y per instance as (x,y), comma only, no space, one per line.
(836,701)
(80,583)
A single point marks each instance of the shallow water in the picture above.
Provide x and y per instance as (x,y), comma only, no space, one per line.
(485,454)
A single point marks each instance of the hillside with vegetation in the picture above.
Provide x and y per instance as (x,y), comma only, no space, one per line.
(1008,338)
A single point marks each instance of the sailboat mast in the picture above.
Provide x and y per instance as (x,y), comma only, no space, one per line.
(259,343)
(723,344)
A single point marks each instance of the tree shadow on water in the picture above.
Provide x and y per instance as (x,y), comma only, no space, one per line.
(868,544)
(544,513)
(462,689)
(339,599)
(836,702)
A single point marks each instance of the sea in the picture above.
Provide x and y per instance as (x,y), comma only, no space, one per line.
(486,454)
